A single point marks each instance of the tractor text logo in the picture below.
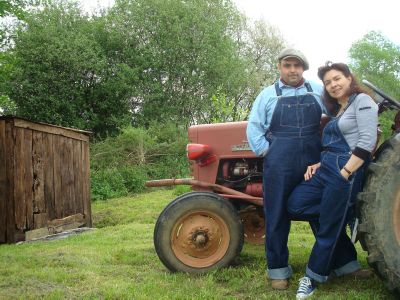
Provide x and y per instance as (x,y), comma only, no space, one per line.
(241,147)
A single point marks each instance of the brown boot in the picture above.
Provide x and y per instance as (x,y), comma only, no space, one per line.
(361,273)
(279,284)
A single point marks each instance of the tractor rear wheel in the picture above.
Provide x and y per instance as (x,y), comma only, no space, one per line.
(379,212)
(197,232)
(253,224)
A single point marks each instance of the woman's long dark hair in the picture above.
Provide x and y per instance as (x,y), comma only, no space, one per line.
(331,103)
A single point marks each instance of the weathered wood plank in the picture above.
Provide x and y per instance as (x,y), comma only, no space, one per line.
(19,180)
(78,184)
(28,178)
(67,220)
(10,171)
(56,130)
(58,198)
(36,233)
(39,204)
(67,178)
(86,184)
(40,220)
(48,171)
(3,183)
(69,226)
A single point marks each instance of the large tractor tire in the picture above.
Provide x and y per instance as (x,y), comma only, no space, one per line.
(198,232)
(379,212)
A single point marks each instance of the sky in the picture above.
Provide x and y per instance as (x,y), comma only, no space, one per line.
(322,30)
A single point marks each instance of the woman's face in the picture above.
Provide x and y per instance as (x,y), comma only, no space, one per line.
(336,84)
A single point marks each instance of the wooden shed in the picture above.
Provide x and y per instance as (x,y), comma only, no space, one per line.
(44,178)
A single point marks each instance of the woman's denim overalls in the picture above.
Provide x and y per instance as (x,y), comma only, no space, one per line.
(294,144)
(326,201)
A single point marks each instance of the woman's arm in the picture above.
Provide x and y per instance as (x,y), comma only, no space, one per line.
(351,166)
(366,112)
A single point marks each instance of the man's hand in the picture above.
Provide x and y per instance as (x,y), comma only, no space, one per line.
(311,171)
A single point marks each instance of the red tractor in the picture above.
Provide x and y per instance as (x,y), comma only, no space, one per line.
(205,229)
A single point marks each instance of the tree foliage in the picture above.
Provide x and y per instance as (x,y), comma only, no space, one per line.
(142,61)
(121,164)
(15,7)
(61,75)
(12,13)
(188,54)
(377,59)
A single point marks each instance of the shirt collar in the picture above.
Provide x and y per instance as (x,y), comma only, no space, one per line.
(282,83)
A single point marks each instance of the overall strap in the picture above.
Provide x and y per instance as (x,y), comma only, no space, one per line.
(278,89)
(308,87)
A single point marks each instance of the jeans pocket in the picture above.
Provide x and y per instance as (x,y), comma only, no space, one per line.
(340,163)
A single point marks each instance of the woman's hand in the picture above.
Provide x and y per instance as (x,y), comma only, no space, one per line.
(311,171)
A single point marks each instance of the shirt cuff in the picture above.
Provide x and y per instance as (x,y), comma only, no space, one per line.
(362,153)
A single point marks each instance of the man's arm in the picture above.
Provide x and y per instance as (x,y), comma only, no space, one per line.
(258,125)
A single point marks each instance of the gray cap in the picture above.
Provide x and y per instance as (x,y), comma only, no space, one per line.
(290,52)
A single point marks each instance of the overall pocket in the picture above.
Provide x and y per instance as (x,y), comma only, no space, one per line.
(289,116)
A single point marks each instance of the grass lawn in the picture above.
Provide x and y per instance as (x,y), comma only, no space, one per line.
(118,261)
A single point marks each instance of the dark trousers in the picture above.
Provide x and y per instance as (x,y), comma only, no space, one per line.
(326,201)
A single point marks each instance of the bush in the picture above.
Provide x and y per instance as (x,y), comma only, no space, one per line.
(134,179)
(386,122)
(108,183)
(120,165)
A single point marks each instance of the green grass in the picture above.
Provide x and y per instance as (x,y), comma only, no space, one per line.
(118,261)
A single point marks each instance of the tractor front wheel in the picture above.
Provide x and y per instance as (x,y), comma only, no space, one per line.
(197,232)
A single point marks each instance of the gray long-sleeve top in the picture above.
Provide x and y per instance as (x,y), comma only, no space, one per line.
(358,125)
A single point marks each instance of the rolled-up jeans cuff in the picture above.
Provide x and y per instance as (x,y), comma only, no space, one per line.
(281,273)
(315,276)
(348,268)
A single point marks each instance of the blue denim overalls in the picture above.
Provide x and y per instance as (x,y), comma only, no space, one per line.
(294,144)
(326,200)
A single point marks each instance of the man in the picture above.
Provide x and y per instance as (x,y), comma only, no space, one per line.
(284,129)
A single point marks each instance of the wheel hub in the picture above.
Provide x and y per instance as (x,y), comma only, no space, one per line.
(200,239)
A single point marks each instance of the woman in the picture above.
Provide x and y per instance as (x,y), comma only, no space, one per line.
(326,196)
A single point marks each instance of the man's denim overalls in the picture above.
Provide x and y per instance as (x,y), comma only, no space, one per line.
(294,144)
(326,201)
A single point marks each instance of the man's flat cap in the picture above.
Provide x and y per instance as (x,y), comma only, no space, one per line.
(290,52)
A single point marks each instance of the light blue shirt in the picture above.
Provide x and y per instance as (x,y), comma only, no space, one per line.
(263,108)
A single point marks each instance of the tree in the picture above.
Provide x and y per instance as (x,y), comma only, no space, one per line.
(183,51)
(377,59)
(15,7)
(142,61)
(259,45)
(12,12)
(189,55)
(61,74)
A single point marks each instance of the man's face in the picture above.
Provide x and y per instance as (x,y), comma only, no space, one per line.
(291,70)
